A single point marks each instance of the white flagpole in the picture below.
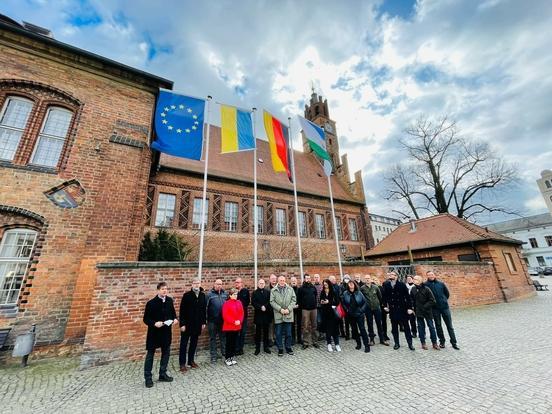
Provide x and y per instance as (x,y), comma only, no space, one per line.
(296,204)
(255,218)
(204,199)
(335,230)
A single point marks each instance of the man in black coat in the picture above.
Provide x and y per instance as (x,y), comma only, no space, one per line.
(424,301)
(193,307)
(243,297)
(398,303)
(296,331)
(159,316)
(262,317)
(307,299)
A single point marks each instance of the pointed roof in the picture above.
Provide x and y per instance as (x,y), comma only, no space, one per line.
(238,166)
(437,231)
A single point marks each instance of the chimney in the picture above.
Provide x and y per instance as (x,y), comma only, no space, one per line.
(412,226)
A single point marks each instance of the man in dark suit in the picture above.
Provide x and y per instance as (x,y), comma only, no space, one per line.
(398,303)
(192,317)
(245,299)
(159,316)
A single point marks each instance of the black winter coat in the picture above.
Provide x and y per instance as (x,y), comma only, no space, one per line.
(440,292)
(261,297)
(192,311)
(397,299)
(243,297)
(329,318)
(306,296)
(423,301)
(158,311)
(356,309)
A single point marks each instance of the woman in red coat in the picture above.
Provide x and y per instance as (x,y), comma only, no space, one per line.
(232,318)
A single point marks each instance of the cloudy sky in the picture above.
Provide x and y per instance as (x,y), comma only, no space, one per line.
(380,63)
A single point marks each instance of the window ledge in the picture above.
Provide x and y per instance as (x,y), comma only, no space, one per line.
(8,311)
(34,168)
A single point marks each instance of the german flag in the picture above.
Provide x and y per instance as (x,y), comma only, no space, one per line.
(278,139)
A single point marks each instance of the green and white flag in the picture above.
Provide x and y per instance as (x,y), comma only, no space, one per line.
(317,142)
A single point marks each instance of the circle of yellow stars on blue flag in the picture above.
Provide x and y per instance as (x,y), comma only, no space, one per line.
(167,110)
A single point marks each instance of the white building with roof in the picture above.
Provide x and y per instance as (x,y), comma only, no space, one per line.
(382,226)
(535,232)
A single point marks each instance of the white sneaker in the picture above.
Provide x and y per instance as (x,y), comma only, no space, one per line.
(338,348)
(330,348)
(228,361)
(234,362)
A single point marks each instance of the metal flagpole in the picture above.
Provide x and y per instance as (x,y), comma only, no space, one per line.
(204,199)
(295,198)
(255,217)
(335,230)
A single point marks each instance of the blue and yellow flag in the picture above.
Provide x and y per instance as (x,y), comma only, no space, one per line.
(179,125)
(236,130)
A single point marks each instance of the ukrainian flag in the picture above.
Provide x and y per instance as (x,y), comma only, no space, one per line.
(236,129)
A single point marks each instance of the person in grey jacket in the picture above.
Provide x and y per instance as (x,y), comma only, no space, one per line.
(215,299)
(441,309)
(282,301)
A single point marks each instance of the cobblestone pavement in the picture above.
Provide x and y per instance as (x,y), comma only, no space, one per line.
(504,366)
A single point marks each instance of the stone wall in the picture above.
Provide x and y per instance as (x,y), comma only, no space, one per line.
(116,331)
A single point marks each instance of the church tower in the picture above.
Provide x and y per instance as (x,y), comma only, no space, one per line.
(317,112)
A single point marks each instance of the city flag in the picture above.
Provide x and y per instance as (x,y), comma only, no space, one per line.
(317,142)
(236,130)
(179,125)
(278,139)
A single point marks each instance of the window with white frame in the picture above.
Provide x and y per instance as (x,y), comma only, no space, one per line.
(15,252)
(260,219)
(280,221)
(196,216)
(353,231)
(338,227)
(320,227)
(165,210)
(13,119)
(302,224)
(52,137)
(230,216)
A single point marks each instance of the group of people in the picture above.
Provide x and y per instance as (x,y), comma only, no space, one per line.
(288,314)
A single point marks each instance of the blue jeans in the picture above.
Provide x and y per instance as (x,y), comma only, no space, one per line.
(283,328)
(445,314)
(215,329)
(422,331)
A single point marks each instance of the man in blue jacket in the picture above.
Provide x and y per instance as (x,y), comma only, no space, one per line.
(215,299)
(441,309)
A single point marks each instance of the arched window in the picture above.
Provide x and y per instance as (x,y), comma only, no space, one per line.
(52,137)
(15,252)
(13,120)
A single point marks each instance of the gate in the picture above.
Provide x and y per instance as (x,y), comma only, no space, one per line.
(402,271)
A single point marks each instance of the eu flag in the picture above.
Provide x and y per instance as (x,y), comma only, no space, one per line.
(179,125)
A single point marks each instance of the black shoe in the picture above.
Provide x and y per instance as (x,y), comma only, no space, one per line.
(411,347)
(387,338)
(240,352)
(358,345)
(280,352)
(315,345)
(367,349)
(289,351)
(442,345)
(304,346)
(396,347)
(165,378)
(347,337)
(456,347)
(267,351)
(149,383)
(257,351)
(414,335)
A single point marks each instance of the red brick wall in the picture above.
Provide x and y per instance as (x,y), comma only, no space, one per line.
(108,225)
(116,331)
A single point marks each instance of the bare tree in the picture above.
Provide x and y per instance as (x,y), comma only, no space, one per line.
(447,173)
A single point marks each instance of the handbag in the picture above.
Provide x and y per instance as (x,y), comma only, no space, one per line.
(339,311)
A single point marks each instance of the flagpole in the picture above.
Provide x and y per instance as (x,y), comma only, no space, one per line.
(203,202)
(295,199)
(335,230)
(255,218)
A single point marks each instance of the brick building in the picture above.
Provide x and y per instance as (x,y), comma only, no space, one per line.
(74,167)
(449,239)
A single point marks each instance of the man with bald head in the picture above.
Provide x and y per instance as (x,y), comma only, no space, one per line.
(215,299)
(282,301)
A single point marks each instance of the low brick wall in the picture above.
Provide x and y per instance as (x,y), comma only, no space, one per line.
(115,329)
